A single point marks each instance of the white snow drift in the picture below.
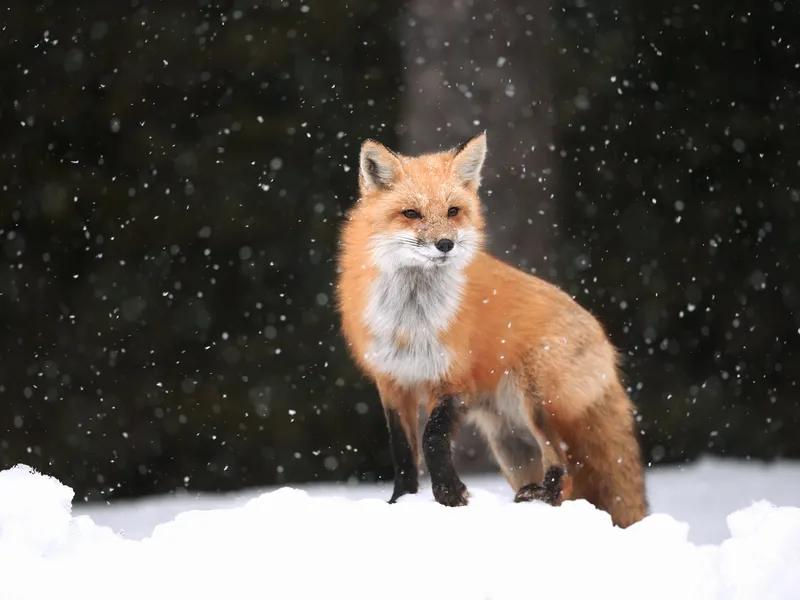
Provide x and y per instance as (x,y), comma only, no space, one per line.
(287,544)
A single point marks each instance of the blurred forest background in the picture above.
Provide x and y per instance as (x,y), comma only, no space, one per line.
(173,175)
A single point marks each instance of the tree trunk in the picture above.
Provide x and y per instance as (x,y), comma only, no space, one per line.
(483,64)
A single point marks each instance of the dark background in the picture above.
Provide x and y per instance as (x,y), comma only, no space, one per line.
(173,175)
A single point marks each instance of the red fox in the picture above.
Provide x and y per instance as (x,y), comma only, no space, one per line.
(433,319)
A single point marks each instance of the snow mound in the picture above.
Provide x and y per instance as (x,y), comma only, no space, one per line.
(287,544)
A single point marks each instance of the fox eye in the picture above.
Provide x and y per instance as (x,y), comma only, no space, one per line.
(453,211)
(411,214)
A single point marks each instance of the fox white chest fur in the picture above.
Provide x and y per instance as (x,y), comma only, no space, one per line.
(407,310)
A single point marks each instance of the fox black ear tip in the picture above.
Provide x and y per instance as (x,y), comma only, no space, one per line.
(479,137)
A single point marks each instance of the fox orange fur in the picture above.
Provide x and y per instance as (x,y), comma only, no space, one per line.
(433,319)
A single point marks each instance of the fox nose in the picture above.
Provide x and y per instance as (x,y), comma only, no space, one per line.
(444,245)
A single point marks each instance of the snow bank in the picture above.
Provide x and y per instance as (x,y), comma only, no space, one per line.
(287,544)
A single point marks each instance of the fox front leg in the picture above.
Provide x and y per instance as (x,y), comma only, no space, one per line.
(404,458)
(401,409)
(442,426)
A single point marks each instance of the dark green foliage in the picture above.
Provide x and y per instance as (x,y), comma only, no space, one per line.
(173,178)
(679,127)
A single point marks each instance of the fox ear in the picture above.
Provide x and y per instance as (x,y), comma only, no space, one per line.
(379,167)
(468,160)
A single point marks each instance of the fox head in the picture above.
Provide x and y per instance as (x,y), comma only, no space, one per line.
(422,211)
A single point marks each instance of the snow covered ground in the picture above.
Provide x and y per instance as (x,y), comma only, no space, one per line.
(720,530)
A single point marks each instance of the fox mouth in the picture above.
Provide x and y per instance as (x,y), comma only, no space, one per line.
(438,260)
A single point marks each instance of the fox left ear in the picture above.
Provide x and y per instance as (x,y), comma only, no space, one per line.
(468,160)
(379,167)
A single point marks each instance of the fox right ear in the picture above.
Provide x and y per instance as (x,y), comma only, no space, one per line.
(379,166)
(468,160)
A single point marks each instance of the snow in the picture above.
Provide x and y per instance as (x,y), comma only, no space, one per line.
(719,530)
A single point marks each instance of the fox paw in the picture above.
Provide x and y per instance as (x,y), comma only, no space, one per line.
(549,491)
(403,486)
(453,493)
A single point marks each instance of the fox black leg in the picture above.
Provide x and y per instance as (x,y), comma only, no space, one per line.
(406,478)
(548,491)
(448,489)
